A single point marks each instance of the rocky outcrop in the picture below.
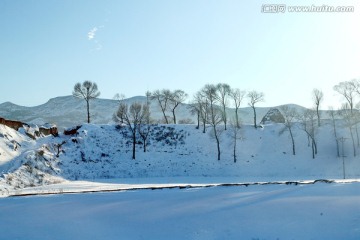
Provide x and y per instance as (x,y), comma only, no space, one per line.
(31,130)
(49,129)
(72,131)
(12,124)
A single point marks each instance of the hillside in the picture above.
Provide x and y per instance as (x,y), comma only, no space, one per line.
(68,111)
(104,152)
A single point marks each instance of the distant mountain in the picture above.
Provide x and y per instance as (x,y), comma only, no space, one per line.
(68,111)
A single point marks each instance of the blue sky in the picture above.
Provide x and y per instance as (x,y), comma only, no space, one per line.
(129,47)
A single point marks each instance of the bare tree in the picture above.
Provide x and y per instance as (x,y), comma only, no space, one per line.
(215,116)
(87,91)
(332,114)
(145,126)
(195,110)
(237,96)
(224,92)
(349,122)
(132,117)
(255,97)
(318,97)
(290,115)
(162,97)
(202,105)
(348,90)
(176,98)
(307,121)
(235,135)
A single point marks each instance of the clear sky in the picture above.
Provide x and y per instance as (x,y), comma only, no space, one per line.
(131,46)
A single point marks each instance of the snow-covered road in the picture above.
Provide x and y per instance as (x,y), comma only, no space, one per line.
(318,211)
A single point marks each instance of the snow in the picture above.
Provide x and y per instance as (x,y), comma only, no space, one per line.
(318,211)
(196,196)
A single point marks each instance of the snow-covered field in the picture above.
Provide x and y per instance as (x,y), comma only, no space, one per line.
(318,211)
(195,196)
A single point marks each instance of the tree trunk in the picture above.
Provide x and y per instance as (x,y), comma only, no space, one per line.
(88,110)
(218,146)
(198,120)
(224,116)
(318,115)
(357,135)
(134,144)
(173,112)
(254,117)
(235,138)
(313,150)
(353,141)
(292,140)
(315,146)
(237,117)
(336,139)
(217,142)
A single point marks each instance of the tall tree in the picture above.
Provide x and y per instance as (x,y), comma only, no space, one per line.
(237,96)
(87,91)
(290,115)
(224,92)
(332,114)
(309,126)
(318,97)
(255,97)
(235,135)
(348,90)
(215,116)
(349,120)
(176,98)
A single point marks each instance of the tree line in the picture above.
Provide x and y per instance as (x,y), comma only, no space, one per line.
(210,105)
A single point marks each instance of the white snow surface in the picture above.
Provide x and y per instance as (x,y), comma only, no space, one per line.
(191,201)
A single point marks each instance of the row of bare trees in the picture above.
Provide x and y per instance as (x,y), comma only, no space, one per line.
(211,103)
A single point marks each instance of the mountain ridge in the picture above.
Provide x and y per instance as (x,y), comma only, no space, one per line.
(67,111)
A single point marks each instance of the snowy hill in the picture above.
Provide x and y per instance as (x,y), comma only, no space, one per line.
(104,152)
(68,111)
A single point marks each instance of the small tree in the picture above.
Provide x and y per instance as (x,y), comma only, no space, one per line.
(318,97)
(255,97)
(87,91)
(290,115)
(132,117)
(235,135)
